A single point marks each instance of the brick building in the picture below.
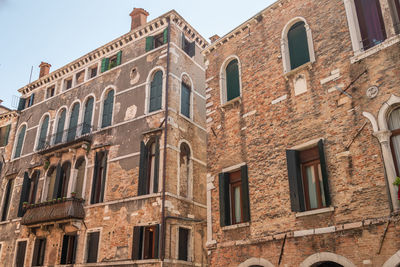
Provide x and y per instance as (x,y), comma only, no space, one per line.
(303,124)
(108,151)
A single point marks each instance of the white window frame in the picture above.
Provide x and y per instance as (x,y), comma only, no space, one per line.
(53,137)
(148,87)
(16,140)
(39,128)
(68,118)
(222,79)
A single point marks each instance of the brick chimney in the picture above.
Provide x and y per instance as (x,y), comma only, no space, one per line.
(214,38)
(44,69)
(139,17)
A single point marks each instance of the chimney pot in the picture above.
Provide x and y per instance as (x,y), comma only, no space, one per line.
(214,38)
(139,17)
(44,69)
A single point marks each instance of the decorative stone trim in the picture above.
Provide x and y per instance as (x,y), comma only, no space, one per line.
(256,261)
(314,212)
(235,226)
(326,256)
(393,261)
(387,43)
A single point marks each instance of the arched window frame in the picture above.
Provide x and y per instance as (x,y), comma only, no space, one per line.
(103,98)
(68,118)
(191,96)
(285,43)
(37,140)
(222,78)
(16,140)
(148,87)
(55,125)
(83,110)
(46,186)
(190,174)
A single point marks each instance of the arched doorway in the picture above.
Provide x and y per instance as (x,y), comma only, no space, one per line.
(327,264)
(326,259)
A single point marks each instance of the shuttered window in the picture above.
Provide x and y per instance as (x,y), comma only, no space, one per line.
(183,249)
(43,133)
(60,127)
(298,45)
(6,201)
(99,177)
(24,197)
(149,167)
(232,80)
(38,252)
(87,117)
(92,247)
(34,187)
(156,41)
(156,91)
(308,179)
(61,180)
(68,251)
(20,255)
(185,100)
(110,62)
(4,135)
(145,242)
(31,100)
(80,167)
(234,197)
(21,103)
(108,109)
(73,122)
(188,47)
(20,142)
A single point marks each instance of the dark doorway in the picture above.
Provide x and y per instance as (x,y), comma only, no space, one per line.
(327,264)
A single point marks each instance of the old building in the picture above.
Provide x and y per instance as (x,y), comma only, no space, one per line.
(105,159)
(303,120)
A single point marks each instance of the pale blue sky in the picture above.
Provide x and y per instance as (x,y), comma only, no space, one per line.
(59,31)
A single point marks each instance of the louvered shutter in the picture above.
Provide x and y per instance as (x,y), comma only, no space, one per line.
(324,172)
(94,181)
(87,119)
(149,43)
(43,133)
(156,241)
(58,183)
(119,58)
(24,197)
(108,109)
(20,142)
(156,92)
(7,135)
(185,100)
(104,64)
(232,80)
(142,183)
(191,50)
(298,45)
(73,123)
(295,182)
(224,209)
(165,36)
(21,104)
(103,176)
(137,243)
(60,127)
(156,165)
(245,194)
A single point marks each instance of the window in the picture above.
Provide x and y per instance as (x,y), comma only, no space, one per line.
(67,84)
(183,239)
(99,177)
(80,77)
(92,247)
(298,45)
(156,91)
(80,167)
(31,100)
(34,182)
(51,180)
(38,252)
(73,122)
(230,81)
(58,177)
(234,197)
(149,167)
(20,142)
(397,18)
(43,133)
(87,116)
(111,62)
(145,242)
(188,47)
(60,127)
(153,42)
(21,103)
(185,99)
(185,165)
(4,135)
(7,199)
(93,71)
(20,255)
(68,251)
(394,126)
(308,179)
(108,106)
(50,91)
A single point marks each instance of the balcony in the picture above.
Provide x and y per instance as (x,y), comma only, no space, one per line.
(54,211)
(71,138)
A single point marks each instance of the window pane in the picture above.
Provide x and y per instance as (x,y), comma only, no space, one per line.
(312,189)
(108,109)
(156,92)
(185,100)
(73,122)
(43,133)
(298,45)
(20,142)
(232,80)
(60,127)
(87,120)
(238,208)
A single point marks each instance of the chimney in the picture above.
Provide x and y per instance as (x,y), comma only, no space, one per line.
(214,38)
(139,17)
(44,69)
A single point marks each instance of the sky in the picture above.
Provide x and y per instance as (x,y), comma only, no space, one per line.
(60,31)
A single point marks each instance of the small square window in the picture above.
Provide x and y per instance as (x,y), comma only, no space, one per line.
(67,84)
(93,71)
(113,62)
(80,77)
(158,40)
(50,91)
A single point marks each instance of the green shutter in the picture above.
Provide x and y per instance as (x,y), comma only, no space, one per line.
(20,141)
(295,181)
(73,123)
(245,194)
(156,165)
(324,172)
(232,80)
(149,43)
(224,204)
(24,197)
(87,118)
(60,127)
(142,182)
(185,100)
(104,64)
(156,92)
(298,45)
(165,35)
(21,104)
(43,133)
(108,109)
(7,135)
(119,57)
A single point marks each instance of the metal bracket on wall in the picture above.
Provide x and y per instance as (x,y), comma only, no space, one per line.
(344,90)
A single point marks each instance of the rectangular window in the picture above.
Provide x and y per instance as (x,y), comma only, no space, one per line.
(153,42)
(80,77)
(7,198)
(31,100)
(50,91)
(234,197)
(185,100)
(308,180)
(93,71)
(111,62)
(38,252)
(92,247)
(4,135)
(183,250)
(68,251)
(149,167)
(145,242)
(99,177)
(21,103)
(20,255)
(188,47)
(67,84)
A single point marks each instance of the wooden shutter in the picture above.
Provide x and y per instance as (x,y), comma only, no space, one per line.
(108,109)
(232,80)
(24,197)
(156,92)
(295,182)
(324,172)
(224,209)
(31,99)
(73,123)
(93,246)
(75,245)
(245,194)
(20,256)
(7,135)
(87,118)
(183,39)
(38,252)
(137,243)
(94,182)
(157,242)
(298,45)
(43,133)
(142,183)
(104,64)
(20,142)
(156,165)
(103,175)
(165,36)
(185,100)
(149,43)
(60,127)
(58,183)
(191,50)
(21,104)
(119,58)
(7,197)
(64,250)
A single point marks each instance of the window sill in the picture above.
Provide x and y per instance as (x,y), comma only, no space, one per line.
(364,54)
(232,102)
(314,212)
(293,72)
(235,226)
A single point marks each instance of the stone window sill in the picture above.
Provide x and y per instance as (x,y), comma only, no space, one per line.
(373,50)
(235,226)
(232,102)
(293,72)
(314,212)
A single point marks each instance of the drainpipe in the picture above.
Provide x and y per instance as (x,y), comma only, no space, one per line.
(163,219)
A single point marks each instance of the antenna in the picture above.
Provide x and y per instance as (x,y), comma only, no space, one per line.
(30,77)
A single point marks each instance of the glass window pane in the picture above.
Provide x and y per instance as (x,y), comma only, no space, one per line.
(312,189)
(238,210)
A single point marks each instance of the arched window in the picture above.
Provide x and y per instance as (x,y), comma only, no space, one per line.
(327,264)
(394,126)
(60,127)
(51,179)
(87,117)
(33,187)
(20,142)
(156,91)
(149,165)
(80,176)
(73,122)
(298,45)
(64,179)
(108,105)
(43,133)
(184,171)
(186,92)
(232,80)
